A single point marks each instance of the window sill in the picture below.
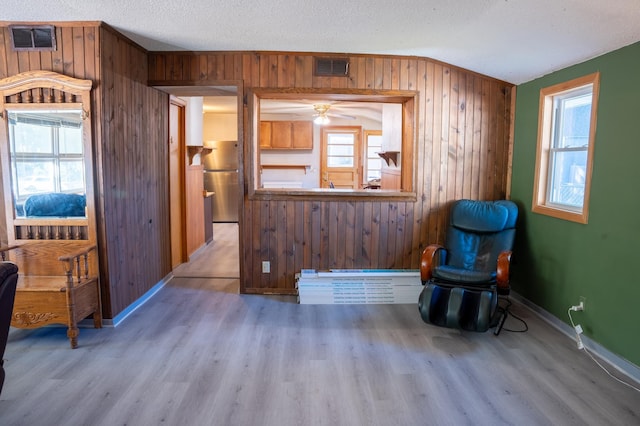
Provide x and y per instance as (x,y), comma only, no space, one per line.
(560,214)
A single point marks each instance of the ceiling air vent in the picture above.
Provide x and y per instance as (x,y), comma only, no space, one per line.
(331,67)
(41,37)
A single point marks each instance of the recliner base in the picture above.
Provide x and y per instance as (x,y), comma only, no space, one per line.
(453,306)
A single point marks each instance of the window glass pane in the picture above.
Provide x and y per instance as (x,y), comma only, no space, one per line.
(572,121)
(46,153)
(70,140)
(372,151)
(340,150)
(340,161)
(374,141)
(373,174)
(34,177)
(29,138)
(340,139)
(568,178)
(375,163)
(70,170)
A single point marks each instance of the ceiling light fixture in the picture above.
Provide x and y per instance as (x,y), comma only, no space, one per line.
(321,118)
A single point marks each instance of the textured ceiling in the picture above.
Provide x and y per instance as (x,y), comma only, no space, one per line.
(513,40)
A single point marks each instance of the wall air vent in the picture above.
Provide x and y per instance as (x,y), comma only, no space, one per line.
(331,67)
(41,37)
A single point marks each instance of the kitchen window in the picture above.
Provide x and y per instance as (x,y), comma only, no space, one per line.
(564,158)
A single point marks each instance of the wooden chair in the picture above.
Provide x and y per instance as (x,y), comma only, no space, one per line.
(57,299)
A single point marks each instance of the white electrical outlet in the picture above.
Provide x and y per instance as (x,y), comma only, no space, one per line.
(266,266)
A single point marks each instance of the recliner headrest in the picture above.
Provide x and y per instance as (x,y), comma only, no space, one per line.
(484,216)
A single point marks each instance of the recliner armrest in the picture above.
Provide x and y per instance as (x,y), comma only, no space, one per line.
(502,271)
(427,261)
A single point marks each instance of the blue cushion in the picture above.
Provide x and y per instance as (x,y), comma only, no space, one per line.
(479,231)
(480,216)
(55,204)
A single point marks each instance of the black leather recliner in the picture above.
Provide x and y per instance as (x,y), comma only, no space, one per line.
(464,278)
(8,279)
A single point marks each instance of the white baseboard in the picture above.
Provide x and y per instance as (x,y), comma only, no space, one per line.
(625,367)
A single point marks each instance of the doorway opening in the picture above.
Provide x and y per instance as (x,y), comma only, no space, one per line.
(214,122)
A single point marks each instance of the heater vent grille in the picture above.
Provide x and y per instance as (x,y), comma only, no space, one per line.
(331,67)
(41,37)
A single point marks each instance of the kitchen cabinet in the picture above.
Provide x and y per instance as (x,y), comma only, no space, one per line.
(265,134)
(390,179)
(286,135)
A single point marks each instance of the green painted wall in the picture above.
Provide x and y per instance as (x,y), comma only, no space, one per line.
(556,261)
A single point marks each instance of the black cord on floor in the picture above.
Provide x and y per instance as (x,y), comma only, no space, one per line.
(505,310)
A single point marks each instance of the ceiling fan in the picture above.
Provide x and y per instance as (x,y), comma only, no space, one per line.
(312,108)
(322,114)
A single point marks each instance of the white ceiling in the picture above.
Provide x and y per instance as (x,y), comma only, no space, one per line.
(512,40)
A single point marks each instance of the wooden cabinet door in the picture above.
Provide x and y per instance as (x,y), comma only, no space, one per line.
(281,134)
(302,134)
(286,135)
(265,134)
(390,179)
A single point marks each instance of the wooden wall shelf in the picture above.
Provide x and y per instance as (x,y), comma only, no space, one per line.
(304,167)
(390,156)
(193,150)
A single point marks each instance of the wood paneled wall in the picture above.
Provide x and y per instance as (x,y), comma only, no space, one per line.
(463,143)
(133,157)
(129,135)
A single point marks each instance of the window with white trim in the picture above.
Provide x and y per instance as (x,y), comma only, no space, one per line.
(46,152)
(564,159)
(373,162)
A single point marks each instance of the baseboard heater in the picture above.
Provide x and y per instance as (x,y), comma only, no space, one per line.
(359,286)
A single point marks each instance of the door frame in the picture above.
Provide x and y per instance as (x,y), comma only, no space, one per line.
(178,254)
(213,88)
(325,182)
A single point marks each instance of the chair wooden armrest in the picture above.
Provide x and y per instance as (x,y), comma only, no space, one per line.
(502,271)
(427,261)
(4,250)
(77,253)
(78,261)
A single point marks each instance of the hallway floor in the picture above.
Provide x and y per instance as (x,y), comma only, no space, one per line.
(218,259)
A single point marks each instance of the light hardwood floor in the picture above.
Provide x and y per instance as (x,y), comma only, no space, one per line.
(218,259)
(199,353)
